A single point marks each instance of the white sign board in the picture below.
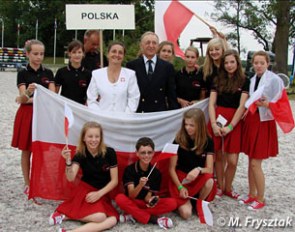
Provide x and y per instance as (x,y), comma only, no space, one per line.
(91,16)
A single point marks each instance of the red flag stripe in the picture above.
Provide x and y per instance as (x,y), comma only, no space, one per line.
(176,17)
(66,127)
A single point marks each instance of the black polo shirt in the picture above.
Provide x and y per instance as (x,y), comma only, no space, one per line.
(91,61)
(188,159)
(132,175)
(42,76)
(209,78)
(96,170)
(74,82)
(229,99)
(189,85)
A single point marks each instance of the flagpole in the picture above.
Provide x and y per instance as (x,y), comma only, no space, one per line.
(114,34)
(37,29)
(54,47)
(101,48)
(76,34)
(202,20)
(67,141)
(18,29)
(152,170)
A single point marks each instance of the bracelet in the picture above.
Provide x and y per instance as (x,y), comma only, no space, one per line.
(180,187)
(230,126)
(200,169)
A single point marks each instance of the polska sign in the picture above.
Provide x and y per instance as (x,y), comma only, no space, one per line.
(90,16)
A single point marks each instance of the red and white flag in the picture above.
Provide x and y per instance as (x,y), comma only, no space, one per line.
(275,93)
(121,131)
(174,20)
(168,151)
(69,119)
(204,212)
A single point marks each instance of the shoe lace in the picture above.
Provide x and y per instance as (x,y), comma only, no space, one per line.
(163,223)
(234,194)
(219,192)
(58,219)
(254,204)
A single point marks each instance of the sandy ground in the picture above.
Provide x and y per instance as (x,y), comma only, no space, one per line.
(18,214)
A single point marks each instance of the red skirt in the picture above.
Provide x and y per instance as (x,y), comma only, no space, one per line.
(76,207)
(232,141)
(22,130)
(193,187)
(260,139)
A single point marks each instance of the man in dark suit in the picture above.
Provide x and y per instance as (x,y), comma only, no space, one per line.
(91,60)
(155,77)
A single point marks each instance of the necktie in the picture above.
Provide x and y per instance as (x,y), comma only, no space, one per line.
(150,69)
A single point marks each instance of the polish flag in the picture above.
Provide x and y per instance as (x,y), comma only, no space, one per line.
(174,19)
(168,151)
(204,212)
(121,131)
(282,112)
(279,104)
(69,119)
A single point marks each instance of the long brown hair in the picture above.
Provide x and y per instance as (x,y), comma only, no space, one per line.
(223,82)
(81,148)
(201,137)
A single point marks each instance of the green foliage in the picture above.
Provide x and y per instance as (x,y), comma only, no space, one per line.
(256,16)
(26,13)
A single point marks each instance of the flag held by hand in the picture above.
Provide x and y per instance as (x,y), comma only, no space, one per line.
(69,119)
(204,212)
(168,151)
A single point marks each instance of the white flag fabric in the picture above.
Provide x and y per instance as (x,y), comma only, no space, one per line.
(121,131)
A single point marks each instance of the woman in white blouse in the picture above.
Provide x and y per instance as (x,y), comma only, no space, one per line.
(113,88)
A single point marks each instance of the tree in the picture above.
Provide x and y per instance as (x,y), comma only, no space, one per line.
(260,17)
(27,12)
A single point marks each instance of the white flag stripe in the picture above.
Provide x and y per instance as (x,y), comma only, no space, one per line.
(207,213)
(121,130)
(69,115)
(170,148)
(255,96)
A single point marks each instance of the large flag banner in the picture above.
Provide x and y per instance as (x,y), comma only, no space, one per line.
(121,131)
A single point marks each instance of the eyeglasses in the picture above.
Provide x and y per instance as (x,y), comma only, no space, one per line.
(149,153)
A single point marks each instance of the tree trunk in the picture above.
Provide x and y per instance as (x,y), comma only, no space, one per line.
(282,36)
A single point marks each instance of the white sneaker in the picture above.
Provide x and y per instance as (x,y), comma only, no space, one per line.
(126,218)
(165,223)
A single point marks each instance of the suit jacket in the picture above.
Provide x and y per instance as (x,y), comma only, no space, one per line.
(154,92)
